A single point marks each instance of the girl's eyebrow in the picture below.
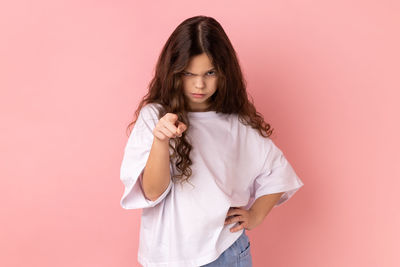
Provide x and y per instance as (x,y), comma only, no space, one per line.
(205,72)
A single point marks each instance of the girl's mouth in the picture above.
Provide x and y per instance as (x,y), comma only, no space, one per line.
(198,95)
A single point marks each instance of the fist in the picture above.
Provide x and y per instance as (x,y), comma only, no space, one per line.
(169,127)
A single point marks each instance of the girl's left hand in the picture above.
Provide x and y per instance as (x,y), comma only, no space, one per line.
(245,218)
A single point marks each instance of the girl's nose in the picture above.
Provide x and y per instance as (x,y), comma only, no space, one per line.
(199,83)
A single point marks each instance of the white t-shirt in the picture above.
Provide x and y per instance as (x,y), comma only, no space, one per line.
(232,166)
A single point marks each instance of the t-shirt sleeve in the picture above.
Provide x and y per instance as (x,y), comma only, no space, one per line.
(134,160)
(277,175)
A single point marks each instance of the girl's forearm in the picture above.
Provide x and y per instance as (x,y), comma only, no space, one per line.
(156,175)
(263,205)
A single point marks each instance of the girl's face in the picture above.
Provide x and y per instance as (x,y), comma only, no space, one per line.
(199,82)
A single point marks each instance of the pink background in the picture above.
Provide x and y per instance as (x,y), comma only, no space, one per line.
(325,74)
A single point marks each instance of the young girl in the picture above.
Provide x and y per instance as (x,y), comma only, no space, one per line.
(199,160)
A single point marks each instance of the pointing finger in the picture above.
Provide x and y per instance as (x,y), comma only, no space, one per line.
(170,126)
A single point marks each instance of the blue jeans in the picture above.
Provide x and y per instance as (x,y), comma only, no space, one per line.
(237,255)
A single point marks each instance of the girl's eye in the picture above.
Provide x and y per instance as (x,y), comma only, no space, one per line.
(212,72)
(189,74)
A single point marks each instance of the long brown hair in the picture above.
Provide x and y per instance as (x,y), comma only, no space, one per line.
(194,36)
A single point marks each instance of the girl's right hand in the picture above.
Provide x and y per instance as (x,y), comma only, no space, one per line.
(169,127)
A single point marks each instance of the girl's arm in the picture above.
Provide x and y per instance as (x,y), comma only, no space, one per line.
(251,218)
(263,205)
(156,175)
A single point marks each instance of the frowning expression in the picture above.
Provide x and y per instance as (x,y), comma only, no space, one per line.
(199,82)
